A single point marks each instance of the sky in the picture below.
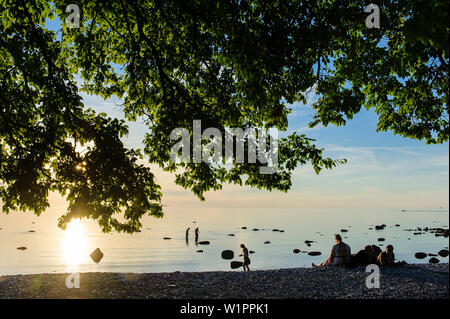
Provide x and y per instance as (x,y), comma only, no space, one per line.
(383,169)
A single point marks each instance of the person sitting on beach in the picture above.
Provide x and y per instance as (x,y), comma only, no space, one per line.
(387,258)
(339,255)
(363,257)
(246,258)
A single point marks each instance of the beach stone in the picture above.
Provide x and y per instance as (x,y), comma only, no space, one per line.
(96,255)
(255,229)
(344,230)
(31,231)
(21,248)
(420,255)
(243,227)
(432,255)
(381,239)
(309,245)
(227,254)
(236,264)
(397,225)
(433,260)
(199,251)
(167,238)
(232,235)
(281,231)
(204,242)
(380,227)
(443,253)
(314,253)
(267,242)
(296,251)
(275,229)
(308,241)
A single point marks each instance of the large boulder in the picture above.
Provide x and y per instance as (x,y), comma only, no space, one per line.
(96,255)
(433,260)
(227,254)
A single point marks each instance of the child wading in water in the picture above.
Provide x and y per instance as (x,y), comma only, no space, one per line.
(246,258)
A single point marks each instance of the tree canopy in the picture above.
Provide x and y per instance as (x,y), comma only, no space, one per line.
(227,63)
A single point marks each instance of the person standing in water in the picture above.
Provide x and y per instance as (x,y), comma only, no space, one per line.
(246,258)
(196,235)
(187,235)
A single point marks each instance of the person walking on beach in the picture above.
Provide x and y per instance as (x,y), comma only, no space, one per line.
(339,255)
(196,235)
(246,258)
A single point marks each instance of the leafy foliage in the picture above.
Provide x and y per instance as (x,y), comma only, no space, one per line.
(226,63)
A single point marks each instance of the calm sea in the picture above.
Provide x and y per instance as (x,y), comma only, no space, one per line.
(50,249)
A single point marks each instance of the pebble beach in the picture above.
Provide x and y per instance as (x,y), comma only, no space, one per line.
(414,281)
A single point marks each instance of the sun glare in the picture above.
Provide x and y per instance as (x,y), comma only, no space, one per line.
(74,244)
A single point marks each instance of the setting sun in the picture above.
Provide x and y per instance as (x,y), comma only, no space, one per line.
(74,243)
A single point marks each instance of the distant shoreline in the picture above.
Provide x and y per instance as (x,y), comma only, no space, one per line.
(415,281)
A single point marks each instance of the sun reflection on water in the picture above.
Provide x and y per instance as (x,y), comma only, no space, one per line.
(74,244)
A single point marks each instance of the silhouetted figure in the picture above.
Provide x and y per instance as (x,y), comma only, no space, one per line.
(196,235)
(187,236)
(246,257)
(339,255)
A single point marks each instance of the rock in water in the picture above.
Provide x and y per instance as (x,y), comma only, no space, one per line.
(267,242)
(96,255)
(236,264)
(21,248)
(443,253)
(420,255)
(344,230)
(227,254)
(296,251)
(243,227)
(255,229)
(204,242)
(381,239)
(232,235)
(200,251)
(314,253)
(433,260)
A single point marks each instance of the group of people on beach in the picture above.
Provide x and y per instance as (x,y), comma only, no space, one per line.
(340,255)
